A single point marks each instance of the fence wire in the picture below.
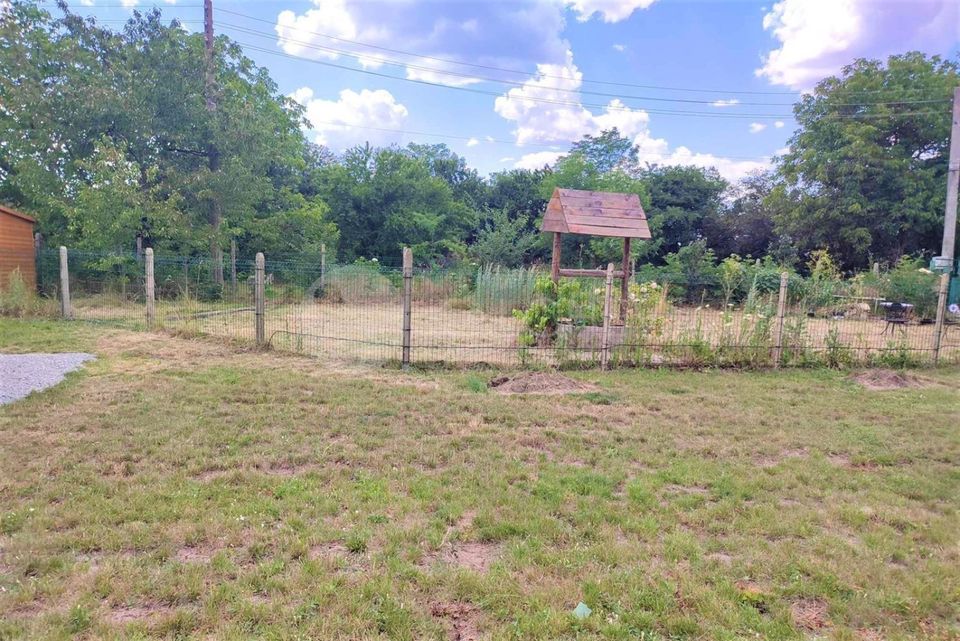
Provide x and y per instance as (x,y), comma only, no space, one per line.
(470,315)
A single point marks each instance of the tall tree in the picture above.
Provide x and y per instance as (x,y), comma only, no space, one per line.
(864,174)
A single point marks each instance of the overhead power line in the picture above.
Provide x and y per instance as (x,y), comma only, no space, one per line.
(665,112)
(360,56)
(527,72)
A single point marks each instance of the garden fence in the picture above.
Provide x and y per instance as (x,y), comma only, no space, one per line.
(471,315)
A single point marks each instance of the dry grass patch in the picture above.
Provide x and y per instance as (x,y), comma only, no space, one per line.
(540,383)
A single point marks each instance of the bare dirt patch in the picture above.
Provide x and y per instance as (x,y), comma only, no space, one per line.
(721,557)
(462,619)
(132,613)
(477,557)
(768,461)
(540,383)
(886,379)
(195,554)
(810,614)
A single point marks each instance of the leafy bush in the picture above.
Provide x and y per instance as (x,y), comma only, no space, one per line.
(565,301)
(358,283)
(911,282)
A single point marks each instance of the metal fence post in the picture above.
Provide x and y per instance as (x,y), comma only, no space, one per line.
(65,310)
(605,335)
(259,304)
(941,315)
(778,327)
(407,296)
(150,287)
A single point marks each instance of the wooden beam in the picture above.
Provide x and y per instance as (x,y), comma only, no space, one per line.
(588,273)
(555,265)
(625,282)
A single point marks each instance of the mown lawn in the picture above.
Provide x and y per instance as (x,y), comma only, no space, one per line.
(184,489)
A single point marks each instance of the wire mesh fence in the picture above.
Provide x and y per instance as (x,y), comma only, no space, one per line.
(469,315)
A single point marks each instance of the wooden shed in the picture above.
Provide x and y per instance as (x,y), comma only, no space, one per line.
(595,213)
(17,249)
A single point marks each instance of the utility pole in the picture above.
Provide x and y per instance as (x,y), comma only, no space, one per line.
(944,262)
(213,154)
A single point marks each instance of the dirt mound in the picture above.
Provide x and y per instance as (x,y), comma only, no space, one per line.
(882,379)
(810,614)
(540,383)
(462,619)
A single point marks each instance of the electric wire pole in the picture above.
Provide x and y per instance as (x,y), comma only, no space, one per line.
(213,154)
(945,260)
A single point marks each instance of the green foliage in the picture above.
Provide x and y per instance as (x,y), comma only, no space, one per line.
(911,282)
(566,301)
(500,291)
(16,299)
(502,241)
(357,283)
(866,180)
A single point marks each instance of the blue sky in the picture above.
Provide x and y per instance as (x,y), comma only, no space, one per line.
(511,84)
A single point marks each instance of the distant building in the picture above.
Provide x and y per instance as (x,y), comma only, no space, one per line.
(17,250)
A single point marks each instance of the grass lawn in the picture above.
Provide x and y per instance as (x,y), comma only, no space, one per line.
(185,489)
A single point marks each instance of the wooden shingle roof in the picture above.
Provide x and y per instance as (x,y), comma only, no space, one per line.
(596,213)
(17,214)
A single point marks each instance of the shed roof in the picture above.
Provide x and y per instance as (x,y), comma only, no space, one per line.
(596,213)
(17,214)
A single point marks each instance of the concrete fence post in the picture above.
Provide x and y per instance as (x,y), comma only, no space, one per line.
(323,267)
(233,263)
(407,305)
(607,312)
(259,302)
(65,309)
(150,287)
(778,323)
(941,316)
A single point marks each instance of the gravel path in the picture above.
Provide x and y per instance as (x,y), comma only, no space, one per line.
(21,374)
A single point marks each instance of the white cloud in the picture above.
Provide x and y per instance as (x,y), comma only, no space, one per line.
(757,127)
(536,160)
(619,47)
(720,104)
(818,37)
(548,122)
(354,118)
(473,142)
(85,3)
(779,124)
(472,32)
(129,4)
(609,10)
(507,159)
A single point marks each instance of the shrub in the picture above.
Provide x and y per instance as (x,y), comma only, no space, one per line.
(358,284)
(911,282)
(16,299)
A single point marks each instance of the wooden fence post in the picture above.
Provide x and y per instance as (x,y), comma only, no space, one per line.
(407,296)
(65,310)
(150,287)
(259,304)
(607,313)
(233,263)
(778,326)
(941,315)
(323,267)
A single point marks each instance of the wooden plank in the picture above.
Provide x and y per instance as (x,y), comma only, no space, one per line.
(625,282)
(553,218)
(588,273)
(555,259)
(614,232)
(603,221)
(600,212)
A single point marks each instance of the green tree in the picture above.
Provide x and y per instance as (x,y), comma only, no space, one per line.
(865,170)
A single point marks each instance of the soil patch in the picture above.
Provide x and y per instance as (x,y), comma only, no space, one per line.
(194,555)
(884,379)
(131,613)
(540,383)
(462,619)
(810,614)
(473,556)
